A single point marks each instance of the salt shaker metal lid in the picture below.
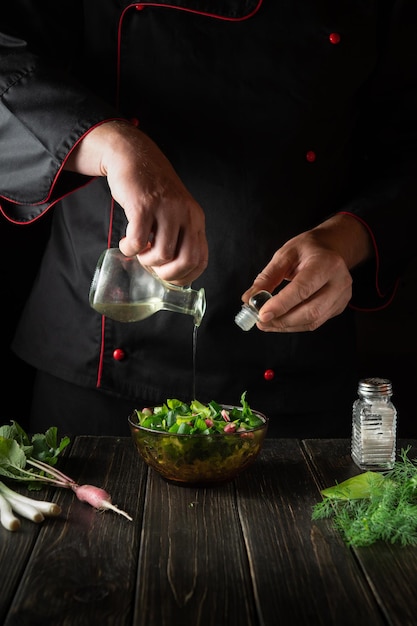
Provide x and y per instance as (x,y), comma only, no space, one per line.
(372,386)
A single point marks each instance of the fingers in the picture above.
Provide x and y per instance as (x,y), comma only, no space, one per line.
(182,260)
(177,253)
(305,315)
(166,225)
(138,237)
(319,288)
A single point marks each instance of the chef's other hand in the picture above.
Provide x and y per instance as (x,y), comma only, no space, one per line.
(166,226)
(317,264)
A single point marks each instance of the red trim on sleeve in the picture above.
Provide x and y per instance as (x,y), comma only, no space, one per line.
(377,266)
(47,200)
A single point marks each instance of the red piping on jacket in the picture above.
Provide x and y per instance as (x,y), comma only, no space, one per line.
(377,287)
(47,198)
(138,6)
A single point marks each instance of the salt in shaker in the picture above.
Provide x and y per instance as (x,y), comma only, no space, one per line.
(374,425)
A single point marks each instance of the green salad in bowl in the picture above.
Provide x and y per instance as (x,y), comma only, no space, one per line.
(198,443)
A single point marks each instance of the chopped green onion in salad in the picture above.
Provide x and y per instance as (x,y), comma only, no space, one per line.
(180,418)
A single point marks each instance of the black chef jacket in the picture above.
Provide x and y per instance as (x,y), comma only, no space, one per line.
(275,115)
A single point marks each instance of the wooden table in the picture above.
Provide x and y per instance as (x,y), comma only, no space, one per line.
(244,554)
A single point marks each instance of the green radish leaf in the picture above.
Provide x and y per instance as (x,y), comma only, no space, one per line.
(12,458)
(46,447)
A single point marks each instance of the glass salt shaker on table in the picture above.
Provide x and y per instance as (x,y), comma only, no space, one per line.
(374,425)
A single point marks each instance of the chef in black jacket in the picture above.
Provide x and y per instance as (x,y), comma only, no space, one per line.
(235,145)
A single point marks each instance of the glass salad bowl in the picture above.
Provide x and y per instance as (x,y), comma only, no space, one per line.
(196,443)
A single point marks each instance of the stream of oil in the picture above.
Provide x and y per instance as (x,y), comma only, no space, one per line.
(194,397)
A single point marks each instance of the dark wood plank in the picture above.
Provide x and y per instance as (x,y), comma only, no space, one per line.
(390,570)
(299,569)
(193,568)
(245,553)
(16,547)
(15,550)
(330,460)
(83,566)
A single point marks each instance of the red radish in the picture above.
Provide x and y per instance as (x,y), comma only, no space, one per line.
(225,415)
(245,434)
(98,498)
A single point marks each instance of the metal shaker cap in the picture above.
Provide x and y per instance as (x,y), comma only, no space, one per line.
(371,386)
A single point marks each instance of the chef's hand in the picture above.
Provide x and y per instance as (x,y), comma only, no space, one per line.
(166,226)
(317,264)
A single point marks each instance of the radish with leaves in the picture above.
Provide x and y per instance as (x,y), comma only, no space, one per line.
(18,451)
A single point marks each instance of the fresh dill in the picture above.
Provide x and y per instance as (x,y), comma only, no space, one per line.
(374,506)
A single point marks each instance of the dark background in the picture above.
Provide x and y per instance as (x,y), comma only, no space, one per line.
(21,249)
(387,347)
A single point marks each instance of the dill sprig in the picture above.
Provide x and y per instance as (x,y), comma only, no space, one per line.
(375,506)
